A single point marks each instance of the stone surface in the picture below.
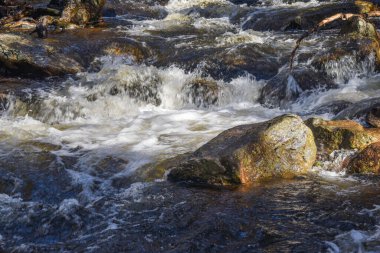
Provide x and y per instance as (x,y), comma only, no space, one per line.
(304,18)
(285,88)
(65,53)
(341,134)
(201,92)
(367,161)
(22,54)
(282,147)
(82,12)
(367,111)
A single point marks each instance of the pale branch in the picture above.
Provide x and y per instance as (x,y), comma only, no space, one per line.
(342,16)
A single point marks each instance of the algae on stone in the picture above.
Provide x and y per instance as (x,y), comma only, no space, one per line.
(367,161)
(341,134)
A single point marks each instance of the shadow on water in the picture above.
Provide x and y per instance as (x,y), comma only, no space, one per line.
(278,216)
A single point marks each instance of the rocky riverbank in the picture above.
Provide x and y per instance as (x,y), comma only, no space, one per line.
(180,126)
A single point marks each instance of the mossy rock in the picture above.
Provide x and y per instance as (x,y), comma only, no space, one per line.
(341,134)
(367,161)
(282,147)
(82,12)
(365,6)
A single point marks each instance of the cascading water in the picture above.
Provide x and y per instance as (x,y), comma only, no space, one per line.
(75,156)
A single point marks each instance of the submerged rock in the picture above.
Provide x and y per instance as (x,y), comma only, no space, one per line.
(144,9)
(282,147)
(201,92)
(367,161)
(341,134)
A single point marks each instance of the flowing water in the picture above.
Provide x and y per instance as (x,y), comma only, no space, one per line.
(71,148)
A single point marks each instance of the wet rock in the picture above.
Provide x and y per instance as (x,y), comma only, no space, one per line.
(367,161)
(109,166)
(357,40)
(4,102)
(260,60)
(373,117)
(20,54)
(201,92)
(58,4)
(341,134)
(132,50)
(357,26)
(141,87)
(281,147)
(141,10)
(285,88)
(365,6)
(82,12)
(367,111)
(278,19)
(332,107)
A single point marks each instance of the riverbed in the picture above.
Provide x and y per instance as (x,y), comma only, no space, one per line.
(73,149)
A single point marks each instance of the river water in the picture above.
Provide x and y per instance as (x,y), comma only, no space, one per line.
(71,148)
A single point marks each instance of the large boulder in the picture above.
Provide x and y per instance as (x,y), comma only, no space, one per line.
(281,147)
(341,134)
(367,161)
(21,54)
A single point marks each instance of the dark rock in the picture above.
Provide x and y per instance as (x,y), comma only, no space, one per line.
(359,110)
(332,107)
(285,88)
(109,12)
(278,19)
(373,117)
(64,53)
(23,55)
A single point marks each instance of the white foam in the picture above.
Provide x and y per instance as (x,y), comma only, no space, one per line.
(134,192)
(242,37)
(68,206)
(177,5)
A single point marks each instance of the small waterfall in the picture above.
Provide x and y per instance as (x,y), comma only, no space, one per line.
(293,89)
(120,91)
